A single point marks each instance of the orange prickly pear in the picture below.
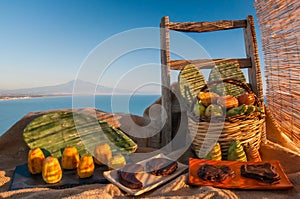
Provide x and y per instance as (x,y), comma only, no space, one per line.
(35,160)
(86,166)
(70,158)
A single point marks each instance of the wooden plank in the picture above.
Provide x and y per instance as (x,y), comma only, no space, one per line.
(166,134)
(207,26)
(209,63)
(254,73)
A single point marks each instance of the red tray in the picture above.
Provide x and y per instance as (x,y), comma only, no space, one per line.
(238,181)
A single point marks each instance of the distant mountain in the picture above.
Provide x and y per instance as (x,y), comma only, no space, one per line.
(79,87)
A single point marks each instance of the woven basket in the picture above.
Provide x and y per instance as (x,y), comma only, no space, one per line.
(206,131)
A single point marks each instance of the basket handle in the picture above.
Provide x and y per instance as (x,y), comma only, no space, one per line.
(239,83)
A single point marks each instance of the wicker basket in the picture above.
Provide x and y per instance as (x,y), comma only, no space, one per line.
(205,132)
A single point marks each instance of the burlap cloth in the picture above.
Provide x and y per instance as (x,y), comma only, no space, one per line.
(13,152)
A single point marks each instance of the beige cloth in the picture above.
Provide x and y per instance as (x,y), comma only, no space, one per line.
(13,152)
(174,189)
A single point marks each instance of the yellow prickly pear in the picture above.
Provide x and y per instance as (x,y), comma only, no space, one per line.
(51,171)
(116,162)
(236,152)
(215,153)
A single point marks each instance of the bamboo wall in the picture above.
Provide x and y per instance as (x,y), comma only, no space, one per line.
(280,29)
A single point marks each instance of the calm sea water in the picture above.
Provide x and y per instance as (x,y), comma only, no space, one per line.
(13,110)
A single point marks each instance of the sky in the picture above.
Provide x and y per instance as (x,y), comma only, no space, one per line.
(48,42)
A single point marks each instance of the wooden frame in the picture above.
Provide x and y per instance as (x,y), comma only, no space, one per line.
(251,61)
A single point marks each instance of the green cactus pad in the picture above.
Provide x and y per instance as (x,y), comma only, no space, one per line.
(56,130)
(190,81)
(227,71)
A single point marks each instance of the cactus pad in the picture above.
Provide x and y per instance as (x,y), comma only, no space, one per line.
(191,80)
(56,130)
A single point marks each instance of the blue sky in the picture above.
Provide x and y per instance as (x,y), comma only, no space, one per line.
(45,42)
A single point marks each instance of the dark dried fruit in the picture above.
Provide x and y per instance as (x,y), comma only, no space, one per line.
(127,176)
(213,173)
(161,166)
(264,172)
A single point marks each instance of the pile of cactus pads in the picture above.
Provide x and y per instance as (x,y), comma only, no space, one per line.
(54,131)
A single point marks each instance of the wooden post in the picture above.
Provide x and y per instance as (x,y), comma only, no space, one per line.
(166,134)
(254,72)
(252,53)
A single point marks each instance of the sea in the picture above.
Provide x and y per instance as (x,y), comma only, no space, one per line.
(12,111)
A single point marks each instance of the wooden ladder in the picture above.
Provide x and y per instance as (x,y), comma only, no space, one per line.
(251,61)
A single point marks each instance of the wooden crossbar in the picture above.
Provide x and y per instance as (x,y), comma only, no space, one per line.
(207,26)
(209,63)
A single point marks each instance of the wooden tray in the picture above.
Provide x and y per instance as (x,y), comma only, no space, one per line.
(238,181)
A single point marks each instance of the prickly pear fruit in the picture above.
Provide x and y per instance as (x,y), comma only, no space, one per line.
(240,110)
(51,171)
(117,162)
(70,158)
(213,110)
(228,102)
(236,152)
(102,154)
(86,166)
(252,153)
(35,160)
(215,153)
(246,98)
(199,109)
(208,98)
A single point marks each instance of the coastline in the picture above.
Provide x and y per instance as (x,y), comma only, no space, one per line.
(14,98)
(7,98)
